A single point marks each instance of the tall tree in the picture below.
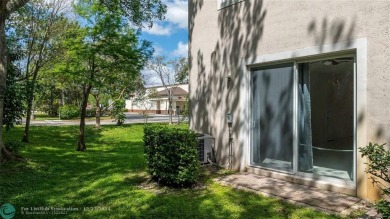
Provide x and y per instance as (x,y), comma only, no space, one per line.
(139,13)
(105,49)
(7,7)
(15,90)
(171,73)
(57,85)
(37,27)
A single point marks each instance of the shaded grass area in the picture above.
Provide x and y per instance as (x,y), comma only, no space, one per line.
(109,180)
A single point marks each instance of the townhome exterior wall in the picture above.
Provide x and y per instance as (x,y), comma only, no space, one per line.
(221,39)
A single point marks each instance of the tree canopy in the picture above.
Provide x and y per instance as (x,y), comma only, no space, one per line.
(97,48)
(139,12)
(102,51)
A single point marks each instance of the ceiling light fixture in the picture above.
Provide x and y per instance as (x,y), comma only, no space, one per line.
(327,62)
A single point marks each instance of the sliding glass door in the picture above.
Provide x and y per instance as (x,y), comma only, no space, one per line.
(320,112)
(326,103)
(272,117)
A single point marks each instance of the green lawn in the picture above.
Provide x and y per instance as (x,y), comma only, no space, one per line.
(110,180)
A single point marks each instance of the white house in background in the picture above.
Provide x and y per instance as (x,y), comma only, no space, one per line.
(160,104)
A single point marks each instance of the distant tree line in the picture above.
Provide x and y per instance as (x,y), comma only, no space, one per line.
(54,54)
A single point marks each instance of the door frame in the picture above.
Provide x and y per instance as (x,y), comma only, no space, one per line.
(356,47)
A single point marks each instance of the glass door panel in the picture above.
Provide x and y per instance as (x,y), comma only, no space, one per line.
(272,117)
(325,118)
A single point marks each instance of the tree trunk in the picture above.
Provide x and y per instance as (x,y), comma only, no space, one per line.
(97,124)
(81,143)
(62,97)
(178,117)
(3,77)
(28,120)
(4,12)
(52,109)
(170,106)
(29,106)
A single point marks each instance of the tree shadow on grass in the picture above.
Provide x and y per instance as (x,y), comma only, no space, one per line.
(56,174)
(220,202)
(59,176)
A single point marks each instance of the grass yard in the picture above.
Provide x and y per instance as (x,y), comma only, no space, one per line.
(109,180)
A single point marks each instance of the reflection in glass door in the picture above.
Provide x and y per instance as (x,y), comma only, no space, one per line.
(272,117)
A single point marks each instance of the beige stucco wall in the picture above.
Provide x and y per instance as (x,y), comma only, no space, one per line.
(220,39)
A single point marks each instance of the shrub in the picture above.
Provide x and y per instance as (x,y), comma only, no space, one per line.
(69,112)
(383,207)
(171,155)
(117,112)
(91,112)
(51,110)
(379,167)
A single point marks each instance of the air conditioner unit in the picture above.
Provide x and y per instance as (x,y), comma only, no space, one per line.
(205,142)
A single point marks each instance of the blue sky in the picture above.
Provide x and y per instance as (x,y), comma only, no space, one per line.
(170,37)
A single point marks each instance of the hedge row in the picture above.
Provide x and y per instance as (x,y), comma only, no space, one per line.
(69,112)
(73,112)
(171,155)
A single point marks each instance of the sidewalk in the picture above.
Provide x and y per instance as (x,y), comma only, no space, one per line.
(131,118)
(330,202)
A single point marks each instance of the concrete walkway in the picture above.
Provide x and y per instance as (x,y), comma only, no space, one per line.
(330,202)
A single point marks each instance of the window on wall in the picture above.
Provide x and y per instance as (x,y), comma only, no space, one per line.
(225,3)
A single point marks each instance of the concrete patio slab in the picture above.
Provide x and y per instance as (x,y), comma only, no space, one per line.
(331,202)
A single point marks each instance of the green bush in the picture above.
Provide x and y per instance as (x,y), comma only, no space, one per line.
(383,207)
(171,155)
(91,112)
(379,167)
(69,112)
(51,110)
(117,112)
